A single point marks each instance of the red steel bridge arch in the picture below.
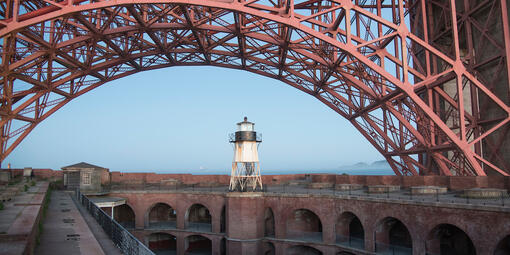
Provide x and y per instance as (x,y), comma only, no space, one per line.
(409,75)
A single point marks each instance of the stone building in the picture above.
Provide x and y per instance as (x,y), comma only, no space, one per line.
(87,177)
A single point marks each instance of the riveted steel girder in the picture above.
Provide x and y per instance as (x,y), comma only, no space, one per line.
(409,75)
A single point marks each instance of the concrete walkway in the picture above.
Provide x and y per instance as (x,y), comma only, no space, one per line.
(64,229)
(104,240)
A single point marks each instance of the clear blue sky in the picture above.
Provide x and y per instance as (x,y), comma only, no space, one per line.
(178,119)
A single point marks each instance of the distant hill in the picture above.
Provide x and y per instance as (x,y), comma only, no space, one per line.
(376,167)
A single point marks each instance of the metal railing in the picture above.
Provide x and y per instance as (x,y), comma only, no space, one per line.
(162,225)
(389,249)
(125,241)
(304,236)
(350,241)
(199,226)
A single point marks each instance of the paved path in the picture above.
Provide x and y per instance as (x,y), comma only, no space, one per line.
(104,240)
(64,229)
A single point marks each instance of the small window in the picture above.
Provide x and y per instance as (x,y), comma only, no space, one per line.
(86,178)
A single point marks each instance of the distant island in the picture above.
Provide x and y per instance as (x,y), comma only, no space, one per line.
(376,165)
(380,167)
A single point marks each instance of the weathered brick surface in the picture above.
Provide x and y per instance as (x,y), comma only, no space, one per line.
(245,219)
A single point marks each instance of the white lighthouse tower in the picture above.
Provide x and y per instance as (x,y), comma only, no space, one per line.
(245,166)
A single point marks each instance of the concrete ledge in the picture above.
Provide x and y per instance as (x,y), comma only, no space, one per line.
(428,190)
(485,193)
(245,194)
(345,187)
(383,188)
(320,185)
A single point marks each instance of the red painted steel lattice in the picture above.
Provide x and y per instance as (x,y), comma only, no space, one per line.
(426,82)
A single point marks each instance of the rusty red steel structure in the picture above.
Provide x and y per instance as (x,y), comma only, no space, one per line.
(425,81)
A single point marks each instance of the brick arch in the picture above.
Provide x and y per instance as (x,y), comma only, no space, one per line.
(365,218)
(357,215)
(269,227)
(288,212)
(473,230)
(161,243)
(149,209)
(214,209)
(344,233)
(503,246)
(148,202)
(298,233)
(384,237)
(187,223)
(432,245)
(132,210)
(198,245)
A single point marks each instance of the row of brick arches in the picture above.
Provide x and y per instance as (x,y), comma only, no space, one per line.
(163,216)
(391,235)
(166,244)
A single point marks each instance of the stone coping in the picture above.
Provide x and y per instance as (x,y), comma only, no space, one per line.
(321,185)
(428,190)
(383,188)
(484,193)
(348,187)
(480,207)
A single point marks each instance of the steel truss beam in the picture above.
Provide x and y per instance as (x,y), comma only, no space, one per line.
(389,67)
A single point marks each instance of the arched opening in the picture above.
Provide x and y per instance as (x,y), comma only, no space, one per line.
(162,216)
(223,220)
(223,246)
(198,245)
(302,250)
(163,244)
(198,218)
(449,239)
(392,237)
(503,247)
(349,231)
(268,248)
(304,224)
(268,222)
(125,216)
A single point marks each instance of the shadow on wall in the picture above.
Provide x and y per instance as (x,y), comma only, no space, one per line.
(162,215)
(162,243)
(449,239)
(393,237)
(125,216)
(198,245)
(305,225)
(302,249)
(198,218)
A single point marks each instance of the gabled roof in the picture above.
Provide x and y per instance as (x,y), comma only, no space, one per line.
(82,165)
